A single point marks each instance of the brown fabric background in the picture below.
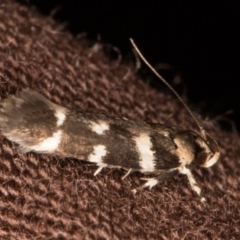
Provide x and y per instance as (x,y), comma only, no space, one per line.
(43,197)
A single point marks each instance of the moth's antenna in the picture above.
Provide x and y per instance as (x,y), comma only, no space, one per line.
(169,86)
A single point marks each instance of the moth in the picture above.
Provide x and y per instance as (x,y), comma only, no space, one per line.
(39,125)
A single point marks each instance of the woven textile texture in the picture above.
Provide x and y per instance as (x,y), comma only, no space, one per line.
(47,197)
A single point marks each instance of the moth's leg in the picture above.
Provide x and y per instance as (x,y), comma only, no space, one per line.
(100,167)
(151,182)
(195,187)
(98,171)
(128,172)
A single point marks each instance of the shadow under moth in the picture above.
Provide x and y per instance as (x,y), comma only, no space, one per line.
(39,125)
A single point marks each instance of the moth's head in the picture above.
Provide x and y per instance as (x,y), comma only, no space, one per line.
(209,153)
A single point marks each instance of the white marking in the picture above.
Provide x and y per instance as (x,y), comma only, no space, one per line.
(192,181)
(212,160)
(183,152)
(50,144)
(61,116)
(99,152)
(99,128)
(146,155)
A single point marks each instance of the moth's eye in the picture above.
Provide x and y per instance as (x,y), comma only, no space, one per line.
(201,158)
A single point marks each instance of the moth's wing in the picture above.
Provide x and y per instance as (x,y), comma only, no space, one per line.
(22,118)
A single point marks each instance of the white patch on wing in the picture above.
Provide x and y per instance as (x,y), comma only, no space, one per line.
(99,152)
(146,155)
(100,127)
(50,144)
(61,116)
